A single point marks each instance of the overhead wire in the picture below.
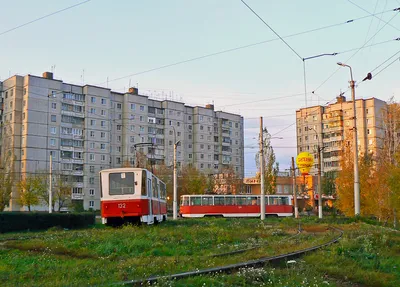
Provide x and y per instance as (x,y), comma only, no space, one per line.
(262,20)
(323,83)
(43,17)
(241,47)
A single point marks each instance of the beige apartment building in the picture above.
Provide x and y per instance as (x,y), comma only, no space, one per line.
(330,127)
(89,128)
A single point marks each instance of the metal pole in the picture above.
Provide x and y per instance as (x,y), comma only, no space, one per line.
(262,176)
(51,183)
(319,183)
(175,206)
(355,143)
(296,210)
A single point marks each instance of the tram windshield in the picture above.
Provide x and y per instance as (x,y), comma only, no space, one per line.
(122,183)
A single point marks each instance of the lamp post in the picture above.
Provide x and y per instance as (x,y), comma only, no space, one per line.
(175,203)
(355,143)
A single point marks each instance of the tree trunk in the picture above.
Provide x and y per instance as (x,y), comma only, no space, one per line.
(29,208)
(394,218)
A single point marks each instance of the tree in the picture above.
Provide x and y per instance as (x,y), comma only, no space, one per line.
(165,173)
(271,167)
(328,183)
(192,181)
(5,188)
(228,181)
(30,187)
(62,192)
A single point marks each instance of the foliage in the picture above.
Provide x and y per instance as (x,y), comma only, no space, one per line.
(6,182)
(192,181)
(271,167)
(328,183)
(77,205)
(165,173)
(17,221)
(30,188)
(62,192)
(228,181)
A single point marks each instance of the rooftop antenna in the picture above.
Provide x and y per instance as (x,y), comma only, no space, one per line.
(107,82)
(137,86)
(83,76)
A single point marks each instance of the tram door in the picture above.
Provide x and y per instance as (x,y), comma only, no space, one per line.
(150,195)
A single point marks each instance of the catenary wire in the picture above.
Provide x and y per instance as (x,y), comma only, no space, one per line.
(262,20)
(242,47)
(43,17)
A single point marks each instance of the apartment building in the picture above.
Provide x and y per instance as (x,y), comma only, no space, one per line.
(332,126)
(87,128)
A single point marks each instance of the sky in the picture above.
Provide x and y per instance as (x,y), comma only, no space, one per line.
(128,43)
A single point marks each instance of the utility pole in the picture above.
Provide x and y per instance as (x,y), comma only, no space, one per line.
(319,183)
(51,183)
(296,211)
(355,143)
(262,176)
(175,203)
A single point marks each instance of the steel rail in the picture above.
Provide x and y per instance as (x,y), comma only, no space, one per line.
(233,267)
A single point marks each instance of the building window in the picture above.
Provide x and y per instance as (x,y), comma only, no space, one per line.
(103,146)
(118,138)
(369,132)
(202,156)
(91,157)
(91,145)
(53,106)
(189,118)
(52,142)
(53,130)
(201,118)
(92,122)
(201,146)
(92,134)
(133,107)
(142,108)
(103,112)
(103,101)
(201,165)
(201,128)
(91,180)
(141,118)
(102,135)
(53,118)
(91,168)
(119,127)
(93,100)
(178,124)
(103,123)
(119,106)
(92,110)
(91,192)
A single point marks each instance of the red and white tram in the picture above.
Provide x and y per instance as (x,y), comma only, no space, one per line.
(235,205)
(132,194)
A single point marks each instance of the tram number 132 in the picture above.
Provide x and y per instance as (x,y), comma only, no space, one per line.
(121,205)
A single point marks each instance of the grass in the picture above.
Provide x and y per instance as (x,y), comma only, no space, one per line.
(105,255)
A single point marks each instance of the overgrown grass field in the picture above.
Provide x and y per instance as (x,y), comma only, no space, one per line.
(103,256)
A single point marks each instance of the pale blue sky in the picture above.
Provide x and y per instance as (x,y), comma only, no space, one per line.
(118,38)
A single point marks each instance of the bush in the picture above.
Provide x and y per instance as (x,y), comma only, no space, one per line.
(18,221)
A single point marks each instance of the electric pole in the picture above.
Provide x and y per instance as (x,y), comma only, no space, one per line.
(296,211)
(51,183)
(319,183)
(262,201)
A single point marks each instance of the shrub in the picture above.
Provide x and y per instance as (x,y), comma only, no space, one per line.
(18,221)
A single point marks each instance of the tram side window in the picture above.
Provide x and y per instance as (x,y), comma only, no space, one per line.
(185,200)
(207,200)
(154,187)
(195,200)
(122,183)
(274,201)
(229,200)
(253,200)
(219,200)
(242,200)
(144,180)
(163,191)
(284,200)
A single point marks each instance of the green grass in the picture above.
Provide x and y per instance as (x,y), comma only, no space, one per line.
(100,255)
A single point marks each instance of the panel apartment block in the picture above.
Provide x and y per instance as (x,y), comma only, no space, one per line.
(332,126)
(86,129)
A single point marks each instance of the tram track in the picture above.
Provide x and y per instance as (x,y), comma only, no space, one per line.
(234,267)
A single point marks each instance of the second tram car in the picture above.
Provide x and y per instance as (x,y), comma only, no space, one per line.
(235,205)
(132,195)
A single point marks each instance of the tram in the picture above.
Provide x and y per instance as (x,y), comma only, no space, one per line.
(132,195)
(235,205)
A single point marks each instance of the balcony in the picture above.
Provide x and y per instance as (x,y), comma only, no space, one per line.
(226,161)
(332,119)
(77,184)
(332,139)
(77,161)
(332,148)
(66,148)
(78,196)
(333,129)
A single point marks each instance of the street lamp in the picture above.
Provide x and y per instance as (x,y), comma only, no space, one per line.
(175,203)
(355,143)
(319,149)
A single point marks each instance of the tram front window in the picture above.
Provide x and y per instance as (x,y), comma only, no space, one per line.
(121,183)
(185,200)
